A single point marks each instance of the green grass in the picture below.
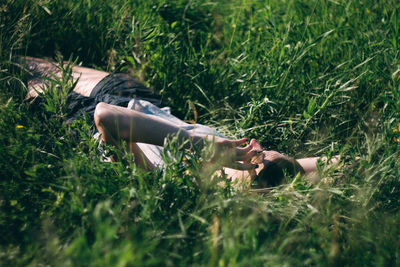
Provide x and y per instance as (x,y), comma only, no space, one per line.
(304,77)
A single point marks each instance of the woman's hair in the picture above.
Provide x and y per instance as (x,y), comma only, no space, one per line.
(274,171)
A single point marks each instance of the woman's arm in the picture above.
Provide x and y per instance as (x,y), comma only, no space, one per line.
(309,165)
(117,124)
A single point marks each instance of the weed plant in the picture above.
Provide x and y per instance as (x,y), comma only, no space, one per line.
(307,78)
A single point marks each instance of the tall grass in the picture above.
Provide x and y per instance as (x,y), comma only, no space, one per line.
(303,77)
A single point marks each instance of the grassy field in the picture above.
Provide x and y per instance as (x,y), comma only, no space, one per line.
(306,78)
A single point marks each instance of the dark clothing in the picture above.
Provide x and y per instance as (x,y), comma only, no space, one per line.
(116,89)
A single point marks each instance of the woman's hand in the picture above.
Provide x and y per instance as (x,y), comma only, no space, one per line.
(229,153)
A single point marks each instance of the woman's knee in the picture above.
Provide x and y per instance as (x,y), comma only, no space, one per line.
(114,121)
(103,117)
(102,114)
(111,120)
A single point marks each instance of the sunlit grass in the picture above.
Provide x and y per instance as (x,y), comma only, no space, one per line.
(305,78)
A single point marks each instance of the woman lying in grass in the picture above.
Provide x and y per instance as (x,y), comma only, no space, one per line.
(125,112)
